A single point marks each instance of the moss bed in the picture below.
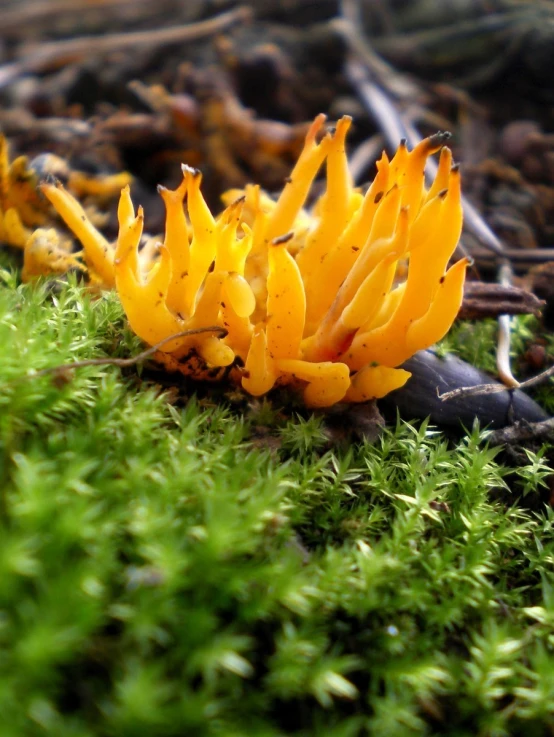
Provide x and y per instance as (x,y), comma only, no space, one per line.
(204,565)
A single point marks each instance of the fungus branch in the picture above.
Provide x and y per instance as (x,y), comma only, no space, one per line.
(379,86)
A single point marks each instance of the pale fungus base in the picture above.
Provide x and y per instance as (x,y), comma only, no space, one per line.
(313,299)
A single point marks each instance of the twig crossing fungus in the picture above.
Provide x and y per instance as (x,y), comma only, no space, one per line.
(318,299)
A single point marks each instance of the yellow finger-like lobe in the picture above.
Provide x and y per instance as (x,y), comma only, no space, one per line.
(212,349)
(4,170)
(144,306)
(126,218)
(295,192)
(443,174)
(107,186)
(215,352)
(125,208)
(334,267)
(328,382)
(372,254)
(386,309)
(398,164)
(177,242)
(392,346)
(427,265)
(422,230)
(255,215)
(231,250)
(443,310)
(375,382)
(12,230)
(99,253)
(127,245)
(333,215)
(411,180)
(370,295)
(387,344)
(386,216)
(239,329)
(259,370)
(22,193)
(334,336)
(44,254)
(209,302)
(286,304)
(203,247)
(239,294)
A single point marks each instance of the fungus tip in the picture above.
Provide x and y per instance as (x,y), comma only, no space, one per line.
(343,124)
(282,239)
(439,139)
(190,170)
(52,180)
(315,127)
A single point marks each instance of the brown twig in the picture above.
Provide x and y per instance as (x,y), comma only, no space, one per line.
(16,20)
(60,53)
(522,431)
(522,258)
(483,300)
(122,362)
(384,73)
(472,391)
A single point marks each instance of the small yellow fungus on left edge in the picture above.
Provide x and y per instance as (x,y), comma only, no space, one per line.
(23,208)
(314,299)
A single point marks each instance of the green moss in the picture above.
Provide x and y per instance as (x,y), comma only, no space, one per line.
(165,572)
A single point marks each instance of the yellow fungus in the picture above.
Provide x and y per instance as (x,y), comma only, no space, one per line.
(330,300)
(23,208)
(98,252)
(45,254)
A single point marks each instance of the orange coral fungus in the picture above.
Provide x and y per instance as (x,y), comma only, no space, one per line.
(314,299)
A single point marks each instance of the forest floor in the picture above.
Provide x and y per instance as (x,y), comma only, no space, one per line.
(178,558)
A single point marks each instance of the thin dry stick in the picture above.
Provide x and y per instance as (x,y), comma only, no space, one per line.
(523,258)
(63,52)
(122,362)
(18,18)
(473,391)
(522,431)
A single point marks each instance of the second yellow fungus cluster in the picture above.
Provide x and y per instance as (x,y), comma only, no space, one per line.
(23,208)
(332,299)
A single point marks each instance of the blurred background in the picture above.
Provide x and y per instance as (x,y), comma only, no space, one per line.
(230,88)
